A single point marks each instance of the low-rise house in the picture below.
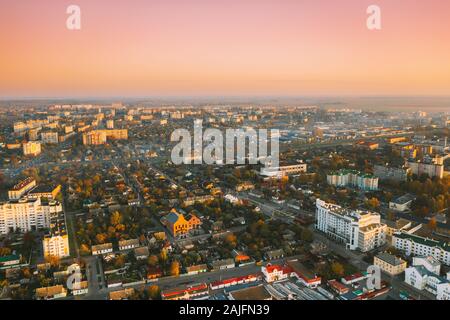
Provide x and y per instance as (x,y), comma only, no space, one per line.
(274,254)
(83,288)
(102,249)
(10,261)
(50,293)
(199,268)
(128,244)
(124,294)
(402,203)
(141,253)
(154,273)
(223,264)
(390,263)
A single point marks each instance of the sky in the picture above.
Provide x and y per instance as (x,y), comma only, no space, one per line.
(144,48)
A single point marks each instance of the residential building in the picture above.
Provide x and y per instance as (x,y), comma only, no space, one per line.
(27,214)
(50,293)
(21,188)
(102,249)
(32,148)
(123,294)
(390,263)
(128,244)
(356,229)
(94,138)
(56,240)
(223,264)
(353,178)
(391,173)
(428,166)
(49,137)
(415,245)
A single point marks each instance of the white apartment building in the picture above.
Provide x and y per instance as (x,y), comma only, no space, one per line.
(415,245)
(355,228)
(353,178)
(56,241)
(26,214)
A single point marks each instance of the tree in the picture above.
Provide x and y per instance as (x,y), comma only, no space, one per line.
(152,260)
(231,240)
(432,224)
(53,260)
(5,251)
(373,203)
(116,218)
(154,292)
(120,261)
(101,238)
(307,235)
(84,250)
(163,255)
(337,269)
(175,268)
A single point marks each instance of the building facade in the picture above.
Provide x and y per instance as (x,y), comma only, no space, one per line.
(415,245)
(356,229)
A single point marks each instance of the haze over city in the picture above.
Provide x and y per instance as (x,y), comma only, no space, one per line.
(224,48)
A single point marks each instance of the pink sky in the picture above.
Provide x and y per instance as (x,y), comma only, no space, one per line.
(224,47)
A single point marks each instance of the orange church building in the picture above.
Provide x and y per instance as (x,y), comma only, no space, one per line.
(179,223)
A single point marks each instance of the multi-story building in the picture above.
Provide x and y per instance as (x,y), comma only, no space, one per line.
(424,274)
(353,178)
(390,263)
(56,241)
(26,214)
(94,138)
(415,245)
(110,124)
(391,173)
(284,170)
(179,223)
(355,228)
(21,188)
(97,137)
(427,166)
(32,148)
(50,137)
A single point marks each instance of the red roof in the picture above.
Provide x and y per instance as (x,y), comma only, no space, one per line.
(236,279)
(189,290)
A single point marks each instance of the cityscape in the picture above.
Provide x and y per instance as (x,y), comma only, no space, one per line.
(93,186)
(227,158)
